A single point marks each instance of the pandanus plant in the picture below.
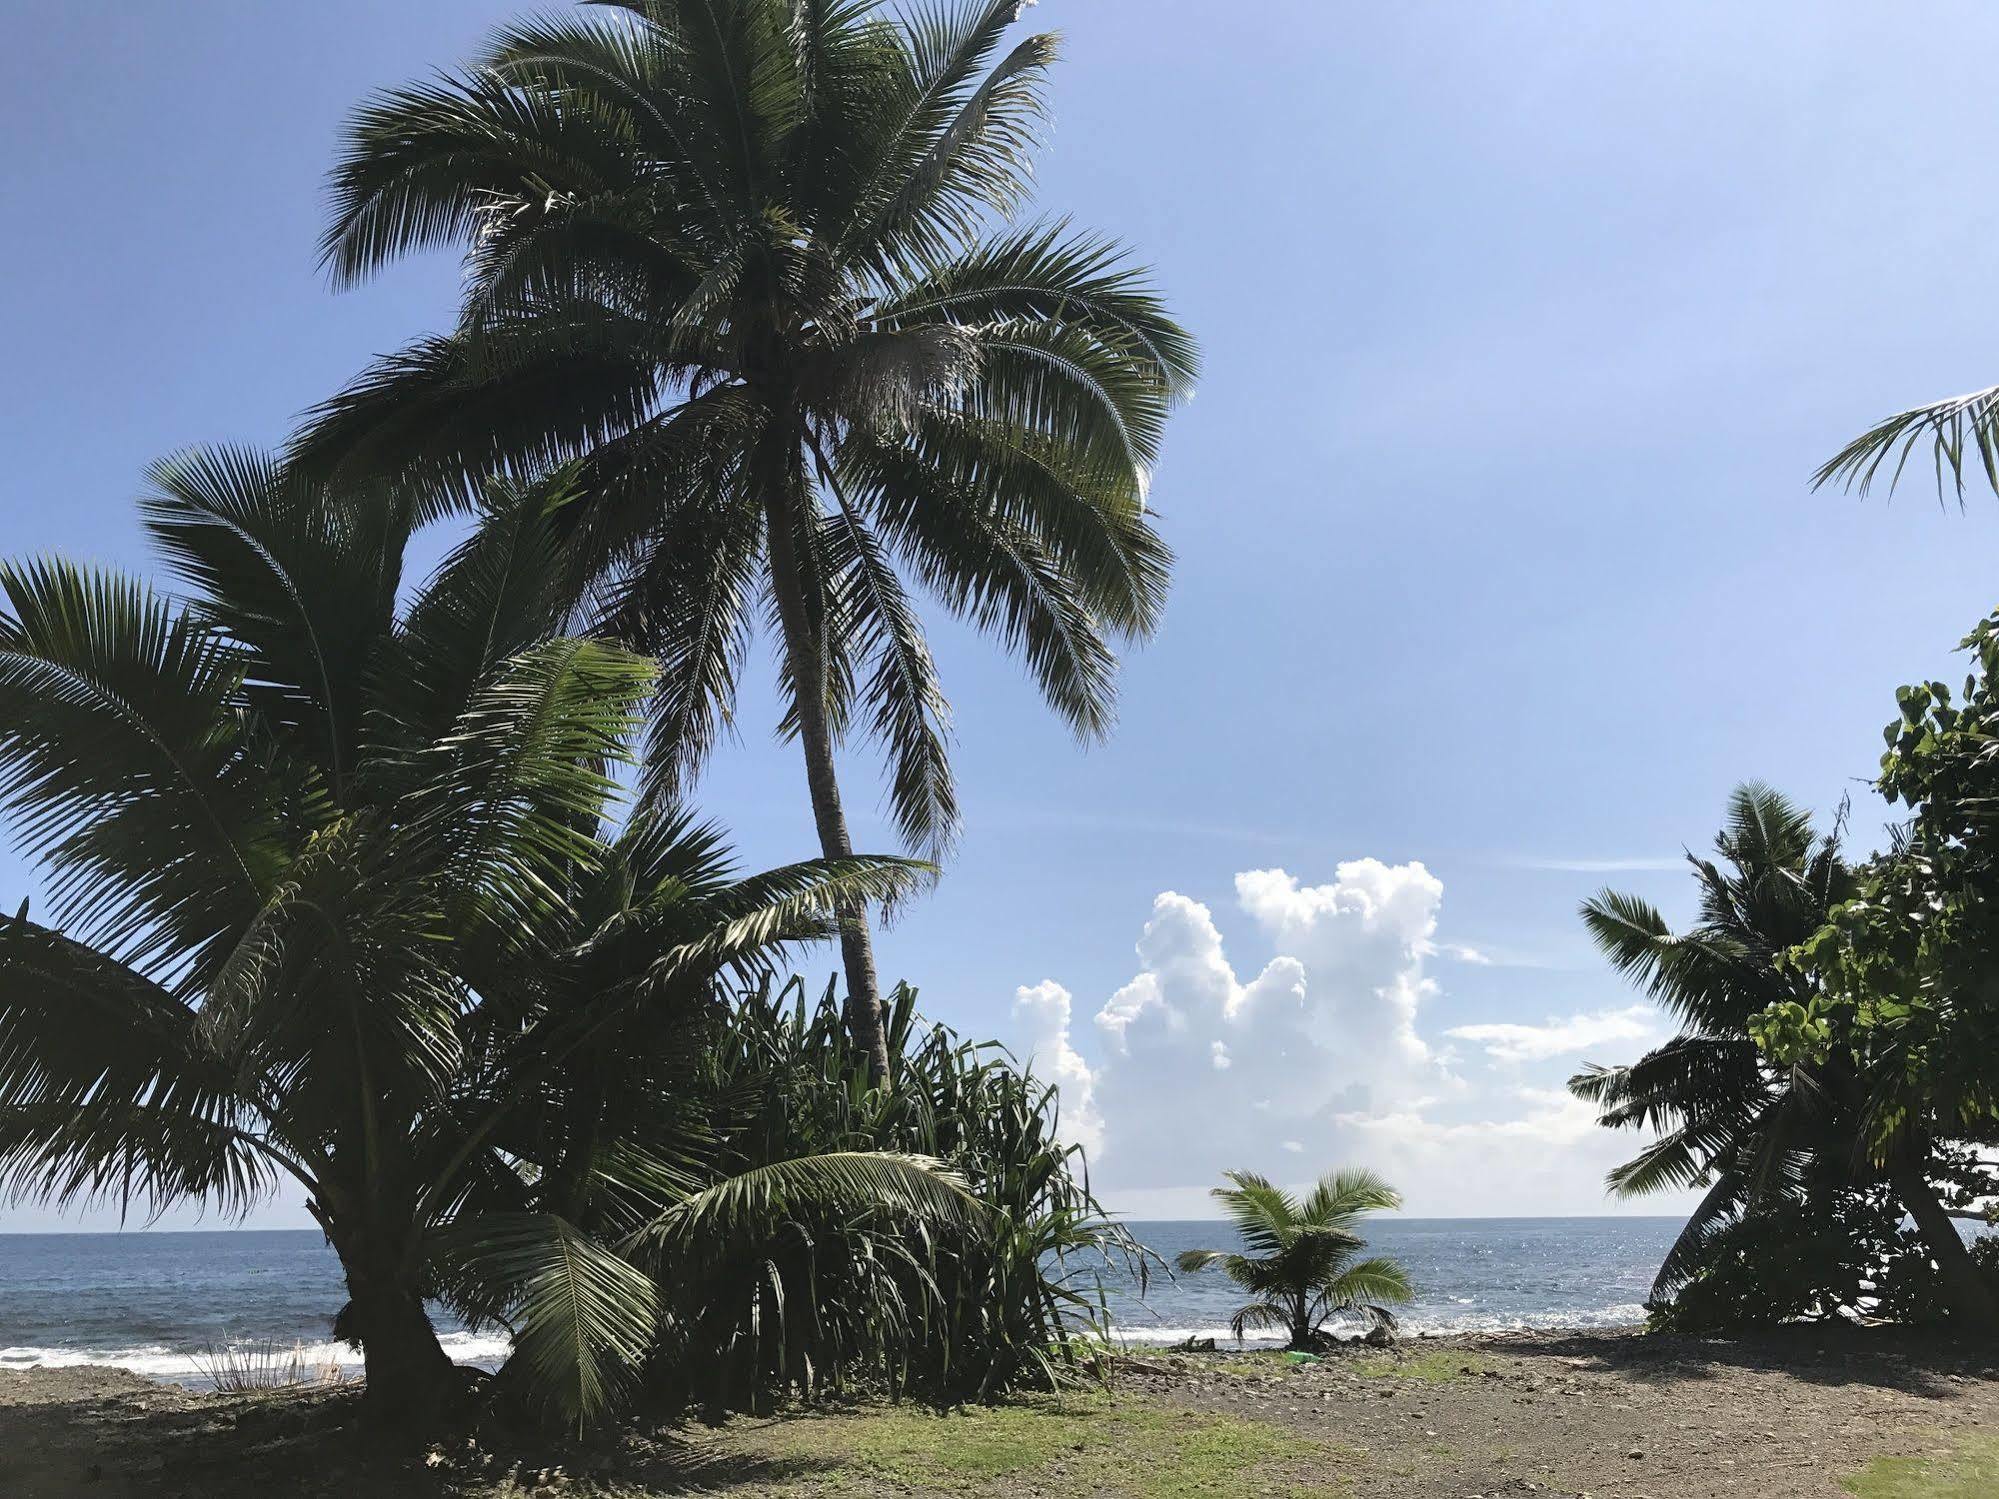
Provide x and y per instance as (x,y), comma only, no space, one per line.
(748,261)
(337,903)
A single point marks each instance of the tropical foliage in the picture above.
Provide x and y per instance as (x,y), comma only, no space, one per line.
(1904,994)
(746,263)
(1816,1256)
(335,901)
(1301,1259)
(1013,1302)
(1724,1119)
(1782,1147)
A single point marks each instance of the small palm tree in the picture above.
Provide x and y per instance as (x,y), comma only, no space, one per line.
(745,260)
(1300,1259)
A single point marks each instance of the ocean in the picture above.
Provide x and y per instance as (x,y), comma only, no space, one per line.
(162,1303)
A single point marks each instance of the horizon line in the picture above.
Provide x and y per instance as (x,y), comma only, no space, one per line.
(80,1233)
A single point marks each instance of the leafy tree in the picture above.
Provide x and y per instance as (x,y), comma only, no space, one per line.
(335,902)
(739,257)
(1726,1119)
(1300,1260)
(1908,993)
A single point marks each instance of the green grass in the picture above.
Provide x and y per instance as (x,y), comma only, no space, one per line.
(1080,1444)
(1437,1367)
(1970,1471)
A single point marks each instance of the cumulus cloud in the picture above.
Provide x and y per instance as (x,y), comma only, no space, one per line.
(1319,1057)
(1363,938)
(1202,1069)
(1562,1036)
(1186,976)
(1041,1011)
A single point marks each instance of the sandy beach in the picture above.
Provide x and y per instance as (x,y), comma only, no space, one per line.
(1818,1411)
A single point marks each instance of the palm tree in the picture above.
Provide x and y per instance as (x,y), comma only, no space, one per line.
(1726,1119)
(745,261)
(1300,1259)
(335,903)
(1750,1132)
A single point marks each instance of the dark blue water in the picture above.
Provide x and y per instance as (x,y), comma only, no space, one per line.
(160,1303)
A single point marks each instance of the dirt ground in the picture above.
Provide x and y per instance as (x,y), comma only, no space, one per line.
(1866,1412)
(1802,1413)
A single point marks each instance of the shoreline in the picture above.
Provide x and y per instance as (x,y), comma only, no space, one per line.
(185,1368)
(1795,1413)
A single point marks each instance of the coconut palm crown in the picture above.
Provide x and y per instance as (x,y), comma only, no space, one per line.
(750,263)
(1300,1260)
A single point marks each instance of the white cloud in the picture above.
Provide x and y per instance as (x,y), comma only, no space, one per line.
(1043,1012)
(1185,974)
(1203,1070)
(1320,1059)
(1562,1036)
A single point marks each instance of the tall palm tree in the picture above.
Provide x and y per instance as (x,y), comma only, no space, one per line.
(1725,1118)
(1301,1260)
(335,902)
(746,261)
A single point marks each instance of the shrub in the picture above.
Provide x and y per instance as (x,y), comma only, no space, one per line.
(1831,1253)
(831,1300)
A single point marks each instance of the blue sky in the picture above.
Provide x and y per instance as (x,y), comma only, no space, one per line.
(1524,327)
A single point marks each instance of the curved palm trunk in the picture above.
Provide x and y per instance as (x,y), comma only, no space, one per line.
(408,1372)
(409,1375)
(1967,1293)
(802,652)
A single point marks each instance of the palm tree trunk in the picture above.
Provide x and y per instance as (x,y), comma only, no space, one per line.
(1966,1292)
(806,658)
(409,1375)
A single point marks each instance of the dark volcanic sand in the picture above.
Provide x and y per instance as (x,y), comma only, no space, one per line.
(1772,1417)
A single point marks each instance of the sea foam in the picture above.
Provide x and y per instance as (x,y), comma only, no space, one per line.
(192,1365)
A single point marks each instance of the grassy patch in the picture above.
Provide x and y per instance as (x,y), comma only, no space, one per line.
(1970,1471)
(1082,1445)
(1440,1366)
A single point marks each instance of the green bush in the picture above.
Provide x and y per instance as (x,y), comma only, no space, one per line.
(829,1302)
(1828,1254)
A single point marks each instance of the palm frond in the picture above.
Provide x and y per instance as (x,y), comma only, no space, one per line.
(125,764)
(584,1317)
(1962,434)
(910,717)
(1338,1199)
(109,1088)
(740,1210)
(1262,1212)
(511,795)
(1370,1284)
